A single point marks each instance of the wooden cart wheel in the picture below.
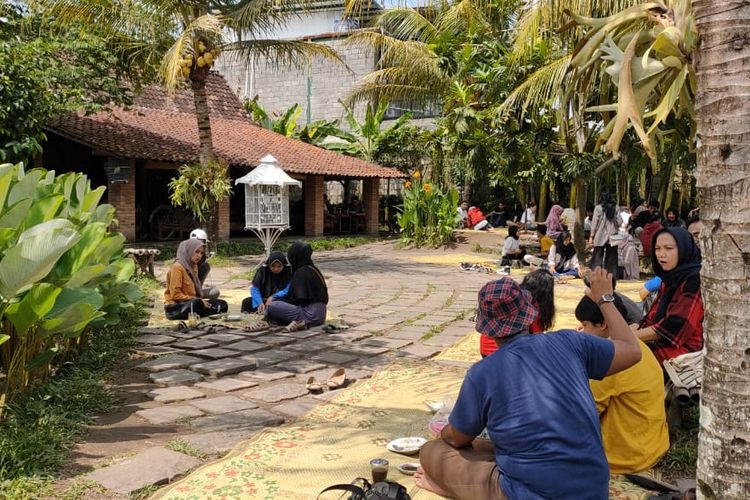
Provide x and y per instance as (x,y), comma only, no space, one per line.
(162,222)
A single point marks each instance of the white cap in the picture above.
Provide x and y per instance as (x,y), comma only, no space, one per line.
(199,234)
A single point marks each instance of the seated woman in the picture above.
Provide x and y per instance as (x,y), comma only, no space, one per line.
(271,282)
(306,304)
(674,323)
(184,294)
(512,250)
(541,285)
(554,223)
(673,219)
(562,260)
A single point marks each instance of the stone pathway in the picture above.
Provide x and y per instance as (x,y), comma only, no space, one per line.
(205,392)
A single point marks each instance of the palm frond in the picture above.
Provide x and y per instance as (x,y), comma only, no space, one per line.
(406,24)
(464,14)
(281,53)
(540,89)
(207,27)
(373,91)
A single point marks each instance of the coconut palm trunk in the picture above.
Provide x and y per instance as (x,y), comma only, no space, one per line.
(206,155)
(723,114)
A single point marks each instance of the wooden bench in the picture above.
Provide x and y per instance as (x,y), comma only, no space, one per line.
(144,259)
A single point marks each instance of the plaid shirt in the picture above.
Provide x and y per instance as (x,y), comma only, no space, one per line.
(681,330)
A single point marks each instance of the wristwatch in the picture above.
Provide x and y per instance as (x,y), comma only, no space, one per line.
(607,297)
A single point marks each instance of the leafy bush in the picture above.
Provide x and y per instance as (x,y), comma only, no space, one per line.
(429,215)
(62,271)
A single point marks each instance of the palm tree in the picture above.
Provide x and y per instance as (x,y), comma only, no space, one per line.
(722,110)
(181,40)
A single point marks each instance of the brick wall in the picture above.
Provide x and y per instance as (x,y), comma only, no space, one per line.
(370,199)
(280,88)
(122,196)
(312,193)
(223,226)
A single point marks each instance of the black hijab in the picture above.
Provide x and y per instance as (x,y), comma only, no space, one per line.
(688,266)
(566,252)
(608,206)
(269,283)
(308,285)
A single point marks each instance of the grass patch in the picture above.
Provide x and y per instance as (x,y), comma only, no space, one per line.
(144,492)
(477,248)
(181,446)
(413,320)
(227,249)
(682,457)
(39,429)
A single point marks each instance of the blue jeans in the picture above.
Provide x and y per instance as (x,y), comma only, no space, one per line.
(569,272)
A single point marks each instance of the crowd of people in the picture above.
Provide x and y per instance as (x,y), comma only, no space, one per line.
(565,408)
(288,290)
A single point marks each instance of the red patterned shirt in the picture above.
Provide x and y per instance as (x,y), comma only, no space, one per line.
(681,329)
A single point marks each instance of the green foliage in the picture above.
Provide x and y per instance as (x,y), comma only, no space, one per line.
(286,124)
(41,77)
(199,189)
(62,271)
(682,457)
(429,215)
(40,427)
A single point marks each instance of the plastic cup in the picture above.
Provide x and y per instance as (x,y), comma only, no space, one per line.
(193,319)
(379,468)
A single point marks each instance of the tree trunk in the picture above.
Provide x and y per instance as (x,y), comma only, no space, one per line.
(579,238)
(206,153)
(723,179)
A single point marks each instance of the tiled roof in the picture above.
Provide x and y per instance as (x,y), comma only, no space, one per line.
(163,127)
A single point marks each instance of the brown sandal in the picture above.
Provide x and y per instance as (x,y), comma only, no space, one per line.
(337,379)
(313,385)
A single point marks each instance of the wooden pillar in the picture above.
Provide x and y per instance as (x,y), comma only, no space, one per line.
(371,202)
(223,222)
(312,193)
(121,195)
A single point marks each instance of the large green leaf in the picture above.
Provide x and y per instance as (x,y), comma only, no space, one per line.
(25,187)
(16,214)
(75,319)
(90,276)
(43,209)
(84,252)
(36,253)
(33,307)
(73,296)
(7,173)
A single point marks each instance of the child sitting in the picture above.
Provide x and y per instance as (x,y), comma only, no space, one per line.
(271,282)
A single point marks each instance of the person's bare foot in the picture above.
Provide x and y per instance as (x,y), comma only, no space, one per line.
(426,483)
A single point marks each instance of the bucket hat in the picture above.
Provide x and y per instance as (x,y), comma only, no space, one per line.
(504,309)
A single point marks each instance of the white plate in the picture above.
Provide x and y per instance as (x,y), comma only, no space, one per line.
(406,445)
(408,468)
(435,406)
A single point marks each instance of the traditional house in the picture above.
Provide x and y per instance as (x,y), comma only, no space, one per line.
(135,152)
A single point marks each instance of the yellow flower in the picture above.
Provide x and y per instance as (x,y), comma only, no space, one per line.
(427,187)
(407,185)
(416,174)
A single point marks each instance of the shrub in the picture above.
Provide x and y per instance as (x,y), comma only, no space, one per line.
(429,215)
(62,271)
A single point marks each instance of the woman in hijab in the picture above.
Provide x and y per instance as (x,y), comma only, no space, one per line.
(605,222)
(271,282)
(553,223)
(307,301)
(674,324)
(562,259)
(184,292)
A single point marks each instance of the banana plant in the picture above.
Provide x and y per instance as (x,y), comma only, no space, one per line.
(62,270)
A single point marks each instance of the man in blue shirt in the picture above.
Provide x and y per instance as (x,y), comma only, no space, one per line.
(533,397)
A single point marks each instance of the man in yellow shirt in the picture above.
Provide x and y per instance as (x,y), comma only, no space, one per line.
(630,403)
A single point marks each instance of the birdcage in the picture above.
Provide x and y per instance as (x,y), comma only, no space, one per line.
(267,201)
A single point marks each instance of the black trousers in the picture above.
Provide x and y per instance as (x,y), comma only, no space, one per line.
(180,310)
(606,257)
(247,305)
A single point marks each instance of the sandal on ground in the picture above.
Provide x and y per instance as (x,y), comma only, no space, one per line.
(337,379)
(335,328)
(313,385)
(295,326)
(256,326)
(181,327)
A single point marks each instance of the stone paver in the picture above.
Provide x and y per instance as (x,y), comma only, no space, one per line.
(385,342)
(172,394)
(300,366)
(297,407)
(276,340)
(225,366)
(276,393)
(266,374)
(155,350)
(420,351)
(313,345)
(190,334)
(351,335)
(154,339)
(302,334)
(194,344)
(223,338)
(175,377)
(169,362)
(223,404)
(271,357)
(214,353)
(335,358)
(247,346)
(238,420)
(169,413)
(363,350)
(227,384)
(153,466)
(219,442)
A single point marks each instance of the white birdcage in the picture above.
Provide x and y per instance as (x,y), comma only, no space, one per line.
(267,200)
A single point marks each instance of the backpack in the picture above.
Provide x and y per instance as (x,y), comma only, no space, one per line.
(647,237)
(384,490)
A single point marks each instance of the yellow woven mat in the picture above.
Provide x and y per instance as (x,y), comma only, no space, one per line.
(332,444)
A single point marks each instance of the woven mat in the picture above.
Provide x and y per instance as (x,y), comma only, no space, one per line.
(335,442)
